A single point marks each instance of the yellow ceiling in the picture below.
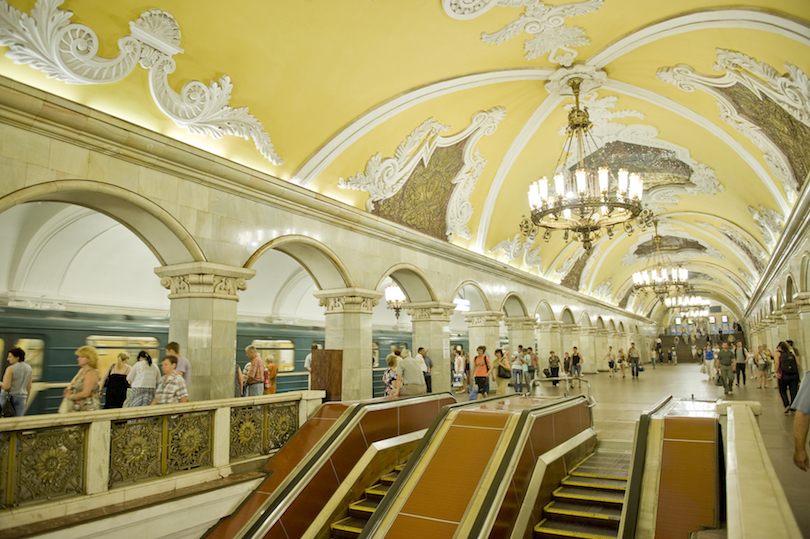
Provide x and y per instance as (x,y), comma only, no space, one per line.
(309,70)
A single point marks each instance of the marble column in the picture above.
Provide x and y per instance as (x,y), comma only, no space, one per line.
(803,336)
(569,338)
(348,328)
(521,332)
(202,320)
(483,328)
(431,330)
(780,327)
(548,339)
(587,348)
(601,345)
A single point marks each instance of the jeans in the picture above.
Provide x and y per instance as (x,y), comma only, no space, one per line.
(788,384)
(429,382)
(727,375)
(576,370)
(740,369)
(18,402)
(634,366)
(254,390)
(555,372)
(517,375)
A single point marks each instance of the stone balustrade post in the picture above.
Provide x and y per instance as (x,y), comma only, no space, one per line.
(202,320)
(348,328)
(431,330)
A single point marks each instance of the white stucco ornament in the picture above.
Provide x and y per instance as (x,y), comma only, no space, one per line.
(46,40)
(791,91)
(383,178)
(546,24)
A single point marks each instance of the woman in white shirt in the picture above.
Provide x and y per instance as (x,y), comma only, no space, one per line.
(143,379)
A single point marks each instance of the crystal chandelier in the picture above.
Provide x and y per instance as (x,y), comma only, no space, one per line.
(588,202)
(660,277)
(395,298)
(695,313)
(686,301)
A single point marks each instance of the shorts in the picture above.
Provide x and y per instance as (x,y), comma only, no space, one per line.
(576,370)
(481,382)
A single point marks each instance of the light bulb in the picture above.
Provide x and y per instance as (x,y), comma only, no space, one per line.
(603,179)
(559,184)
(543,184)
(534,196)
(623,181)
(582,181)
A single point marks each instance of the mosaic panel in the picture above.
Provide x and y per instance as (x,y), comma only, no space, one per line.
(135,449)
(669,244)
(573,277)
(658,166)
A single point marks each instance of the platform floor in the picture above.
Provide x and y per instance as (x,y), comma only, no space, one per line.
(621,401)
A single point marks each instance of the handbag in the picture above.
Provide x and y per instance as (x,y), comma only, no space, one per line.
(703,368)
(456,380)
(473,392)
(66,407)
(503,373)
(8,407)
(718,381)
(547,373)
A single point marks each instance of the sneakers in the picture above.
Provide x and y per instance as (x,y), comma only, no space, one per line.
(787,409)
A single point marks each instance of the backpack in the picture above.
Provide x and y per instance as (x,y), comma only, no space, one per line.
(788,363)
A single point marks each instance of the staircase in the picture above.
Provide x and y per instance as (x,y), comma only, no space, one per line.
(360,511)
(588,503)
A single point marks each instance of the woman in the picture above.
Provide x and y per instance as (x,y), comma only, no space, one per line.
(554,367)
(270,376)
(501,384)
(761,362)
(460,369)
(610,358)
(16,382)
(567,367)
(787,366)
(517,373)
(481,371)
(83,389)
(390,379)
(622,360)
(115,381)
(143,378)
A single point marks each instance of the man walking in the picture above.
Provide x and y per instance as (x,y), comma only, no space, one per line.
(632,354)
(725,362)
(427,363)
(740,357)
(576,367)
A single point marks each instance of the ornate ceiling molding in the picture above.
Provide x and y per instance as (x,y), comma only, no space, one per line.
(791,91)
(753,251)
(546,24)
(46,40)
(769,223)
(684,255)
(383,178)
(514,247)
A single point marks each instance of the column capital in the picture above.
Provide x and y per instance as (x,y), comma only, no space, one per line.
(483,318)
(588,331)
(345,300)
(436,311)
(548,326)
(204,280)
(517,323)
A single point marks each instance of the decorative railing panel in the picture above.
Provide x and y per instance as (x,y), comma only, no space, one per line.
(257,430)
(189,441)
(135,449)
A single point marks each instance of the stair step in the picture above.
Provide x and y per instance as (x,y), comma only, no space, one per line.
(389,478)
(348,528)
(602,473)
(400,467)
(593,511)
(595,483)
(378,491)
(581,494)
(547,528)
(363,508)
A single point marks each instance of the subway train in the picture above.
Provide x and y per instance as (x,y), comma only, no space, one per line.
(50,339)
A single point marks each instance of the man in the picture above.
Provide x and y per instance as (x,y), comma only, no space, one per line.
(413,379)
(308,359)
(183,364)
(172,388)
(610,358)
(576,367)
(427,365)
(801,405)
(740,357)
(725,362)
(632,355)
(16,381)
(254,379)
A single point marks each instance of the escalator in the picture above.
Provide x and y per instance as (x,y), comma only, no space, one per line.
(362,510)
(588,503)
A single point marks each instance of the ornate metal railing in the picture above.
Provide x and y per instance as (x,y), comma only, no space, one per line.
(54,456)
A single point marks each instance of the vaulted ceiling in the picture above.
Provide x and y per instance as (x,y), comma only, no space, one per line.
(438,114)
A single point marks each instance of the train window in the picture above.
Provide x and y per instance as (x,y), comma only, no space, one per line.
(34,350)
(282,353)
(108,348)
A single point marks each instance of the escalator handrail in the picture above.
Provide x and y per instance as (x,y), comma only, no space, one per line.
(503,468)
(290,485)
(395,489)
(634,482)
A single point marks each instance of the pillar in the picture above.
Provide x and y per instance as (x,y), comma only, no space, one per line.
(431,330)
(483,328)
(569,338)
(202,320)
(803,337)
(348,328)
(588,351)
(548,339)
(781,326)
(521,331)
(601,345)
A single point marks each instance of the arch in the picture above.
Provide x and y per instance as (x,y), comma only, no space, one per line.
(318,260)
(165,236)
(585,320)
(770,305)
(513,306)
(413,282)
(621,326)
(470,290)
(804,277)
(780,299)
(567,317)
(600,324)
(544,312)
(611,325)
(790,289)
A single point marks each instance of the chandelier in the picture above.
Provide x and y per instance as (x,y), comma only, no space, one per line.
(659,277)
(588,202)
(686,301)
(395,298)
(695,313)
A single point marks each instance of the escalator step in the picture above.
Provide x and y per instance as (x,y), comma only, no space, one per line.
(376,492)
(554,528)
(603,473)
(598,512)
(400,467)
(580,494)
(348,528)
(595,483)
(363,508)
(389,477)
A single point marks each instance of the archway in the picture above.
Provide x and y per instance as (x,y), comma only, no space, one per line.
(513,306)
